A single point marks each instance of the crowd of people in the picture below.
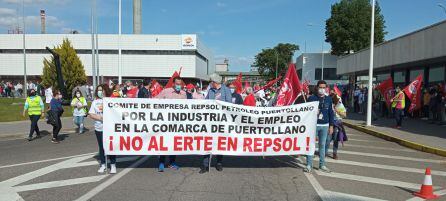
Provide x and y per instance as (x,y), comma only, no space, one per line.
(329,124)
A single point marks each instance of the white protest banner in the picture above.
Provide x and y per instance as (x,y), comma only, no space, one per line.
(198,127)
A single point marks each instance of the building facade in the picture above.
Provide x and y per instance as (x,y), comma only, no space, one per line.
(309,67)
(154,56)
(403,58)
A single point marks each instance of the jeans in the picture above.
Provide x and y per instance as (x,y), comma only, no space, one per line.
(162,159)
(206,160)
(335,140)
(34,126)
(101,149)
(79,121)
(57,127)
(322,133)
(399,116)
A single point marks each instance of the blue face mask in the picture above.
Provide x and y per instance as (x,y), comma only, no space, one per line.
(177,88)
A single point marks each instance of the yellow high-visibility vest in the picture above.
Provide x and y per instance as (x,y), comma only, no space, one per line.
(399,99)
(34,107)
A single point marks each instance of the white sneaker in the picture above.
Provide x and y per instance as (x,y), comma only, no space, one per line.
(101,169)
(113,169)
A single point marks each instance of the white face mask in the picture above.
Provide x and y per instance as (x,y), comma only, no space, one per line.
(100,94)
(321,91)
(60,96)
(78,95)
(232,90)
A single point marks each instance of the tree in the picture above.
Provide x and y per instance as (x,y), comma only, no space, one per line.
(266,59)
(348,28)
(73,70)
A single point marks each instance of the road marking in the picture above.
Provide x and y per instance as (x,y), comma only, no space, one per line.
(379,148)
(118,160)
(391,157)
(345,196)
(369,141)
(370,180)
(385,167)
(53,184)
(47,160)
(112,180)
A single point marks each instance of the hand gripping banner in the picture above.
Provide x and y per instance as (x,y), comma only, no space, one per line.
(198,127)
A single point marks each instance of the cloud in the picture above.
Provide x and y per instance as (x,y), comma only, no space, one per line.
(7,12)
(164,10)
(221,5)
(236,63)
(11,20)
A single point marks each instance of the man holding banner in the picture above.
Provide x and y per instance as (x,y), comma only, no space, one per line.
(220,92)
(174,92)
(324,126)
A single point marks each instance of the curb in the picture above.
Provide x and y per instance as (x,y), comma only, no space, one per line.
(406,143)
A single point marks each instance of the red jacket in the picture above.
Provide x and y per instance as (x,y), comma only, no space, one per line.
(250,100)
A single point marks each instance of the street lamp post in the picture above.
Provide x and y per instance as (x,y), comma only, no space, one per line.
(119,47)
(372,43)
(24,50)
(93,63)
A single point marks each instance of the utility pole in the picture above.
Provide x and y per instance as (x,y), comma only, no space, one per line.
(119,47)
(370,89)
(93,63)
(24,50)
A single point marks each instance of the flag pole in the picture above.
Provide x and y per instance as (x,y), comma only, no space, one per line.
(372,41)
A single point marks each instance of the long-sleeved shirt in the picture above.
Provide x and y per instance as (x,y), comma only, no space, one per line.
(56,105)
(222,94)
(32,98)
(325,114)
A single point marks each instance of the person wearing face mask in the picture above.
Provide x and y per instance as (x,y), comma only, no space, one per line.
(250,99)
(95,113)
(79,105)
(191,93)
(175,92)
(398,105)
(144,91)
(34,106)
(57,110)
(217,91)
(324,127)
(236,98)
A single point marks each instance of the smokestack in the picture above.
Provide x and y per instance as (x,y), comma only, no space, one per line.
(137,5)
(42,22)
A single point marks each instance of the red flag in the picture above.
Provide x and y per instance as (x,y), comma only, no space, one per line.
(170,82)
(156,88)
(271,83)
(386,89)
(238,84)
(337,91)
(413,92)
(290,89)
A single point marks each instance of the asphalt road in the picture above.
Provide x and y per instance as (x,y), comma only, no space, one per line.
(368,169)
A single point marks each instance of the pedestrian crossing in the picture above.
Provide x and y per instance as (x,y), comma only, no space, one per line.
(370,166)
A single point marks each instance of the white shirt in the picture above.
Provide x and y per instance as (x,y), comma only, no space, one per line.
(96,108)
(48,95)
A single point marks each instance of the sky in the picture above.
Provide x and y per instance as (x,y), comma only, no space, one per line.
(233,29)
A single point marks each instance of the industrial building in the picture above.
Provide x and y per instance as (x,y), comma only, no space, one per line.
(310,67)
(155,56)
(403,58)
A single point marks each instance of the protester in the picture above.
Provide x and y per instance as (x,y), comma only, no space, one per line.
(236,98)
(191,93)
(34,106)
(426,100)
(217,91)
(398,105)
(79,104)
(175,92)
(324,126)
(95,113)
(250,99)
(356,104)
(116,92)
(144,91)
(338,129)
(57,110)
(132,91)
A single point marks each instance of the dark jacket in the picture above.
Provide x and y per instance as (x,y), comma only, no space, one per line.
(144,93)
(237,99)
(325,108)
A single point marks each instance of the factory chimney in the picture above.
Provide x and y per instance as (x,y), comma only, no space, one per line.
(137,6)
(42,22)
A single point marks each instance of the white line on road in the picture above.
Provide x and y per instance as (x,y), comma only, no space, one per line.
(392,157)
(378,148)
(47,160)
(370,180)
(53,184)
(385,167)
(112,180)
(350,197)
(118,160)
